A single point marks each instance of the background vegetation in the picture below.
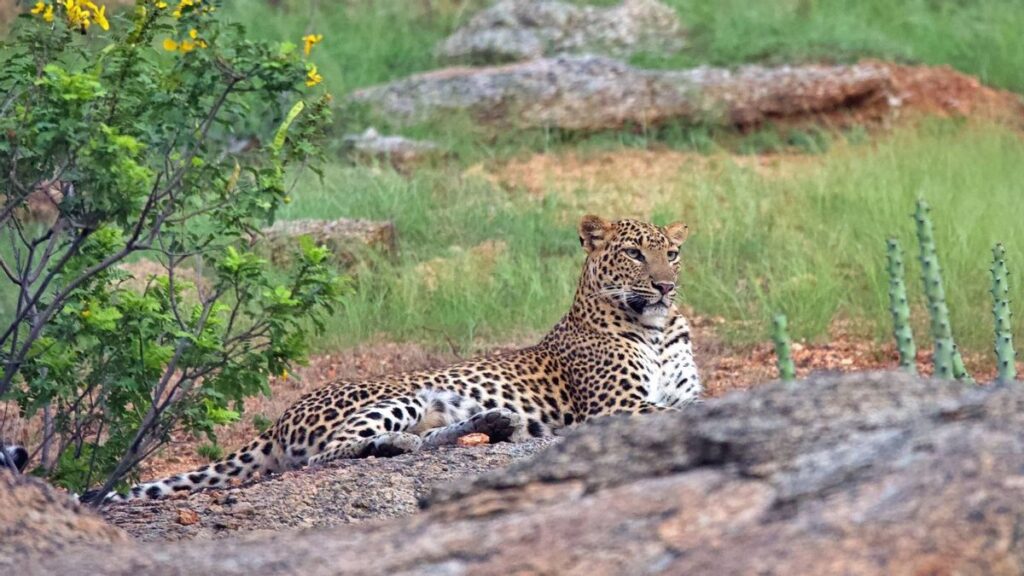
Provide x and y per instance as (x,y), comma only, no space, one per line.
(810,243)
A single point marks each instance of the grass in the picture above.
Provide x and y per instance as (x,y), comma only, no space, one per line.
(810,244)
(441,288)
(370,42)
(210,452)
(981,37)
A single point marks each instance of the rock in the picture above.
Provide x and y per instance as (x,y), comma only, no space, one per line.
(244,509)
(475,439)
(187,517)
(862,474)
(595,93)
(402,153)
(37,519)
(353,492)
(524,29)
(350,241)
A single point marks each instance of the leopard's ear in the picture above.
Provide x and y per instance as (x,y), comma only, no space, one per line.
(677,232)
(594,232)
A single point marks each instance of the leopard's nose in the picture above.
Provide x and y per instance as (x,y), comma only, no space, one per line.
(665,287)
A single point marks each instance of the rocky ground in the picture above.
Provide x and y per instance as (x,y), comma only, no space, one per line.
(861,474)
(36,519)
(350,493)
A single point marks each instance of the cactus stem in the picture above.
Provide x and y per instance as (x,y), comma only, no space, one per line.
(947,359)
(1005,354)
(899,308)
(783,353)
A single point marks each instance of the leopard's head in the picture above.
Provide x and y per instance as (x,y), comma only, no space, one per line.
(631,265)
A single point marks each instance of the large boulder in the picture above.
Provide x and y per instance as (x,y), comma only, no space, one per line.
(513,30)
(595,93)
(862,474)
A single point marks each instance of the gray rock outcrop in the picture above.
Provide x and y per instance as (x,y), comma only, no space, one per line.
(513,30)
(400,152)
(595,93)
(861,474)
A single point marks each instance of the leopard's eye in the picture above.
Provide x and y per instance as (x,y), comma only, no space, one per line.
(673,254)
(634,254)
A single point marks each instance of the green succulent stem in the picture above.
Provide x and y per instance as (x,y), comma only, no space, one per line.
(947,359)
(783,348)
(959,369)
(1006,356)
(900,307)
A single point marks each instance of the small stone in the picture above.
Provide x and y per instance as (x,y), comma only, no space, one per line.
(187,517)
(402,153)
(475,439)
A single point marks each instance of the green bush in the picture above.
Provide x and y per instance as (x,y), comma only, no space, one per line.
(210,451)
(261,423)
(120,141)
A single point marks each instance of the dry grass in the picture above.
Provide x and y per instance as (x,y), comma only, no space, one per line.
(628,182)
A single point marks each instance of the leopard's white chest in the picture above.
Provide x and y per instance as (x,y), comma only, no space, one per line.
(670,371)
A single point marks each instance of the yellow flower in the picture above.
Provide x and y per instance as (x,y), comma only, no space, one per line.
(284,374)
(161,4)
(182,5)
(99,13)
(313,77)
(170,45)
(186,46)
(192,33)
(86,313)
(309,41)
(46,10)
(82,13)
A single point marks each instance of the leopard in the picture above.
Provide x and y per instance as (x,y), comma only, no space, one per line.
(624,346)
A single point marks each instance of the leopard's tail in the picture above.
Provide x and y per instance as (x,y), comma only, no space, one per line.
(258,456)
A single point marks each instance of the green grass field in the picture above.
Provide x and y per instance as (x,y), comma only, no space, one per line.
(811,244)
